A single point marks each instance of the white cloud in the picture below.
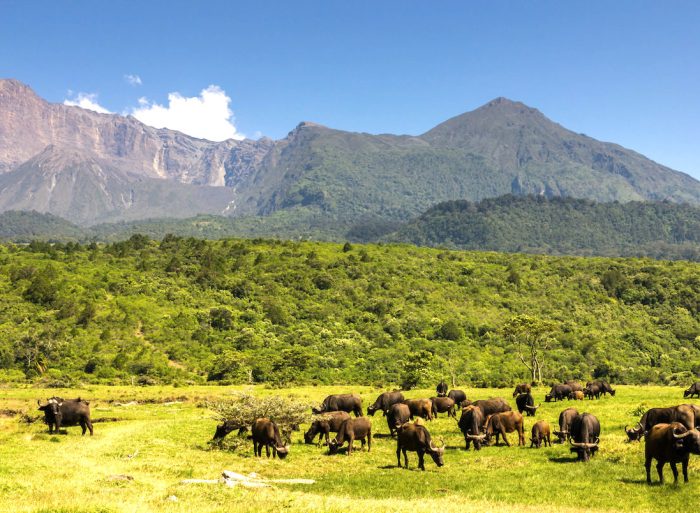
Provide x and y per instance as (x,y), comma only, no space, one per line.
(133,80)
(86,101)
(206,116)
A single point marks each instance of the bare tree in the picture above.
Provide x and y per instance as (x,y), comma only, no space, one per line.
(532,338)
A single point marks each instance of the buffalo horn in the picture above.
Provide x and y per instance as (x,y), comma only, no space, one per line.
(532,407)
(682,435)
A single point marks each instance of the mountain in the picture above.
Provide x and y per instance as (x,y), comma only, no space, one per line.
(317,181)
(25,226)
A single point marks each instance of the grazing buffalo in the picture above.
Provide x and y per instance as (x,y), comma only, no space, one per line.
(670,443)
(491,406)
(442,405)
(558,393)
(598,388)
(576,395)
(684,413)
(351,430)
(575,385)
(226,427)
(441,389)
(266,434)
(470,423)
(341,402)
(585,435)
(522,388)
(385,401)
(416,438)
(540,433)
(420,408)
(458,396)
(692,390)
(526,403)
(62,413)
(501,423)
(566,417)
(398,415)
(328,423)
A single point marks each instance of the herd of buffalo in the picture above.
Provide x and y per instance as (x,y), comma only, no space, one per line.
(671,434)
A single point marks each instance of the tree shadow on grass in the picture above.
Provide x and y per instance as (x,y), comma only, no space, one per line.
(382,435)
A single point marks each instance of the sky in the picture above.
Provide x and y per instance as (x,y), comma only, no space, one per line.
(622,71)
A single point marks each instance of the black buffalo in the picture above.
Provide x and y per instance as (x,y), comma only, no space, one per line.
(526,403)
(442,405)
(683,413)
(670,443)
(558,393)
(226,427)
(398,415)
(416,438)
(458,396)
(471,424)
(61,413)
(441,389)
(266,434)
(598,388)
(341,402)
(585,435)
(566,417)
(692,390)
(385,401)
(328,423)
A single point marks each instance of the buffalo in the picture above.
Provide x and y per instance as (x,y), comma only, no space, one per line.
(458,396)
(398,415)
(670,443)
(540,433)
(351,430)
(684,413)
(329,422)
(442,405)
(61,413)
(566,417)
(420,408)
(341,402)
(692,390)
(470,423)
(598,388)
(226,427)
(585,435)
(491,406)
(526,403)
(441,389)
(558,393)
(385,401)
(416,438)
(266,434)
(575,385)
(522,388)
(501,423)
(576,395)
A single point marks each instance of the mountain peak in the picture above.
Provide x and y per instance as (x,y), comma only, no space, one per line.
(11,87)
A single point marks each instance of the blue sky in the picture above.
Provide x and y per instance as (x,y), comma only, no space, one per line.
(621,71)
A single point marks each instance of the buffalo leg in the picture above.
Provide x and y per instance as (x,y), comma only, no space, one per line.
(83,426)
(684,465)
(351,440)
(547,441)
(369,441)
(255,448)
(398,455)
(267,450)
(405,458)
(505,440)
(647,466)
(660,470)
(674,469)
(421,465)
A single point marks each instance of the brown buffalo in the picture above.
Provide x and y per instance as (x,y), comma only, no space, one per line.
(683,413)
(327,423)
(470,423)
(576,395)
(522,388)
(352,429)
(565,419)
(442,405)
(501,423)
(670,443)
(420,408)
(266,434)
(416,438)
(398,415)
(540,433)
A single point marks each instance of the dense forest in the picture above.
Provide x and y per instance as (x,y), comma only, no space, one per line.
(235,311)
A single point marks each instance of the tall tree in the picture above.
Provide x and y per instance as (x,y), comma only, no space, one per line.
(532,337)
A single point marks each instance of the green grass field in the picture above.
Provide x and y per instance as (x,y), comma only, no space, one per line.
(162,441)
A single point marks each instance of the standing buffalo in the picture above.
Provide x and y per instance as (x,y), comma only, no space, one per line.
(526,403)
(540,433)
(684,413)
(670,443)
(575,385)
(441,389)
(491,406)
(522,388)
(502,423)
(470,424)
(341,402)
(692,390)
(328,423)
(566,417)
(458,396)
(266,434)
(442,405)
(416,438)
(585,436)
(385,401)
(420,408)
(576,395)
(398,415)
(598,388)
(351,430)
(60,413)
(558,393)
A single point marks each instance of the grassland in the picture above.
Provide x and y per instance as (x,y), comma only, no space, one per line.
(161,440)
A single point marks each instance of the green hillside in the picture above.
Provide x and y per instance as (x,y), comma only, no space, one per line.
(299,312)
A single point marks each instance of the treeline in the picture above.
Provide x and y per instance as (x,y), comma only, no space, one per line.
(234,311)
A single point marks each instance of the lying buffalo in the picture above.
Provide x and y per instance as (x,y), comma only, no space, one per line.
(416,438)
(470,424)
(558,393)
(341,402)
(443,405)
(384,402)
(683,413)
(585,435)
(420,408)
(441,389)
(398,415)
(351,430)
(522,388)
(458,396)
(540,433)
(566,417)
(526,403)
(501,423)
(670,443)
(266,434)
(328,423)
(692,390)
(60,413)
